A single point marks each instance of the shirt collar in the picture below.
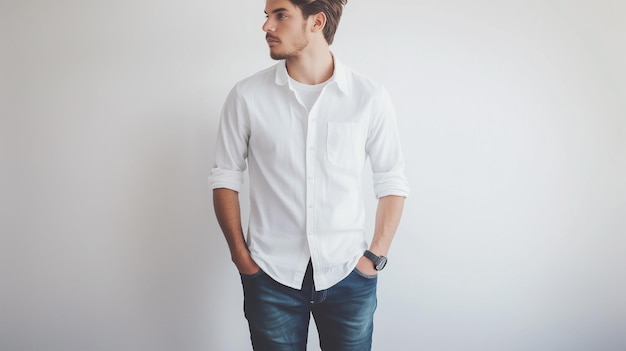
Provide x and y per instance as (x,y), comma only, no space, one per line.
(339,76)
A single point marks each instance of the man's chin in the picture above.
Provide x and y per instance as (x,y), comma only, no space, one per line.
(277,56)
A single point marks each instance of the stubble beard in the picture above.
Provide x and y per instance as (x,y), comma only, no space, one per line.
(299,45)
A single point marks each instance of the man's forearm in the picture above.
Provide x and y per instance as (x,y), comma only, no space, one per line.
(388,216)
(228,213)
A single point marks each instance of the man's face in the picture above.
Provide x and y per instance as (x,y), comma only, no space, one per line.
(286,30)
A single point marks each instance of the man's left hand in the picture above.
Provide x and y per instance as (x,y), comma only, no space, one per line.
(366,266)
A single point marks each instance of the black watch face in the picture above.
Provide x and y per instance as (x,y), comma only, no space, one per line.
(382,262)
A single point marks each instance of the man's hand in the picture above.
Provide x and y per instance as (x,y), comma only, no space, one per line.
(366,266)
(246,265)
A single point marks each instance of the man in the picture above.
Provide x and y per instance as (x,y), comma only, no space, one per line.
(306,127)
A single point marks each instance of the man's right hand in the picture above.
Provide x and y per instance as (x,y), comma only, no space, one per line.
(246,265)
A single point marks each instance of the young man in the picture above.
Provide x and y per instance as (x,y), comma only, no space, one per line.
(306,127)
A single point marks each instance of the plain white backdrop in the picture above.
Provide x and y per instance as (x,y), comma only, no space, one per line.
(513,121)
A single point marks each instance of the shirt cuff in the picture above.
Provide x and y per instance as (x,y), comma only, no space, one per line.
(390,183)
(223,178)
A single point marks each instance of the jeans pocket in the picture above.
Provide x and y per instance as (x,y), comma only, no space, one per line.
(366,276)
(251,276)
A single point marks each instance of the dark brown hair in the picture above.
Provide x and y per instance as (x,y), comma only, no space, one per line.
(331,8)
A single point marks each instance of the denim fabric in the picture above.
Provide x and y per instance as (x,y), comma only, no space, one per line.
(278,316)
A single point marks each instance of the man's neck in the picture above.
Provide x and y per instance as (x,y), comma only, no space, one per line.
(312,67)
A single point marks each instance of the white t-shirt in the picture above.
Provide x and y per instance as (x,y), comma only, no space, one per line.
(307,94)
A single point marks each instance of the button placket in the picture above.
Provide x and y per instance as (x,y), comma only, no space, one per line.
(310,180)
(311,220)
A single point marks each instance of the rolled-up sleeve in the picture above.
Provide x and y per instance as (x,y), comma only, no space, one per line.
(384,150)
(231,149)
(223,178)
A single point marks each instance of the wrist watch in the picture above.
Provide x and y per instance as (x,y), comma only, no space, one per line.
(379,261)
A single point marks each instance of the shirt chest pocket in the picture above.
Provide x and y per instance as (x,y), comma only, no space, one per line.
(345,145)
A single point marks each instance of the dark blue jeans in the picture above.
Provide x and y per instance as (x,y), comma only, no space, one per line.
(278,316)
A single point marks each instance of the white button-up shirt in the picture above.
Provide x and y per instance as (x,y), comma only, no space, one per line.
(305,169)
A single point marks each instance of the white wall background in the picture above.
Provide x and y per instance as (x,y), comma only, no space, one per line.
(513,118)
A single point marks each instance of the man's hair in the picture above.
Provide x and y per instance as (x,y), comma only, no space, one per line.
(332,9)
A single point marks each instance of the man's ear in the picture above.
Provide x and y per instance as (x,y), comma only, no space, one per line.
(319,21)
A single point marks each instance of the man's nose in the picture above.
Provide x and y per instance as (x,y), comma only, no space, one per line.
(268,26)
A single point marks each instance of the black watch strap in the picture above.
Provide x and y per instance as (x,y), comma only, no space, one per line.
(379,261)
